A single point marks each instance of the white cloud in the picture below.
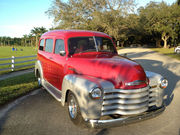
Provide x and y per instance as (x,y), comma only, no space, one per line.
(18,30)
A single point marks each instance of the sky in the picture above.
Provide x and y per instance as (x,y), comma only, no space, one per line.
(18,17)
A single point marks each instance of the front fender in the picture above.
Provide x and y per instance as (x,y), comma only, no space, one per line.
(81,86)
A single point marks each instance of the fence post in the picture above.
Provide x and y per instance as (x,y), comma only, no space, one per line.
(12,65)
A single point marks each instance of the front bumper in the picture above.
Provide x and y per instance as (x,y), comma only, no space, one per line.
(125,120)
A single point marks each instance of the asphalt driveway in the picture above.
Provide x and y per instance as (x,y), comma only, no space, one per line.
(40,114)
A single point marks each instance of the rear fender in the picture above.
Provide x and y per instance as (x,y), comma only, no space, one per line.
(38,67)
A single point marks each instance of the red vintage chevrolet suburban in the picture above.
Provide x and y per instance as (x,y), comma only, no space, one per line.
(83,71)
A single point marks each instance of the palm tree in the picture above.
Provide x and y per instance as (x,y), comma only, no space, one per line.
(0,41)
(38,31)
(25,37)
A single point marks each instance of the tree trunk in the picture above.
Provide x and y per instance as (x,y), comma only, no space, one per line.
(165,43)
(158,43)
(25,42)
(165,37)
(122,44)
(31,42)
(36,41)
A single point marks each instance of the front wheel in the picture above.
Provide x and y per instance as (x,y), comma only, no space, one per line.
(74,110)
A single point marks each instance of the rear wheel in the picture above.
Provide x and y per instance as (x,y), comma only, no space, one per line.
(39,79)
(74,110)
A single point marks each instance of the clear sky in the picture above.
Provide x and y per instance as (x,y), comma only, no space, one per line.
(18,17)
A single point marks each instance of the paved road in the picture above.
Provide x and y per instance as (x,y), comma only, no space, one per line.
(41,114)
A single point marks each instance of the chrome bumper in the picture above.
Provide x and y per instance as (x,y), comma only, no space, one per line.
(125,120)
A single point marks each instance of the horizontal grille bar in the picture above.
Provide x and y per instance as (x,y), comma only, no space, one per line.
(128,102)
(127,96)
(122,106)
(124,101)
(125,112)
(126,91)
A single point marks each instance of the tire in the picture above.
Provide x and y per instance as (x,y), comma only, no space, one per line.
(74,110)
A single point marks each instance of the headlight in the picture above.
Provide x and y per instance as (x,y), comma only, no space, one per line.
(163,83)
(96,93)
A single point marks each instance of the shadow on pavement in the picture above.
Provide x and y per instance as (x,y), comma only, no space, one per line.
(158,67)
(136,55)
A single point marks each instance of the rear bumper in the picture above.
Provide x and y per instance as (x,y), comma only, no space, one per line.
(125,120)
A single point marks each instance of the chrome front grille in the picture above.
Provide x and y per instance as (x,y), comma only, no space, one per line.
(128,102)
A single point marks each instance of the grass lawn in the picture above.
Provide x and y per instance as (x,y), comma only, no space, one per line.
(14,87)
(6,52)
(168,52)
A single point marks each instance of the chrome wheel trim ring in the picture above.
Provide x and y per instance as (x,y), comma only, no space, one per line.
(72,108)
(39,81)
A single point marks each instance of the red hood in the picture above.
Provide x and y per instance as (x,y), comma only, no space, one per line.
(117,69)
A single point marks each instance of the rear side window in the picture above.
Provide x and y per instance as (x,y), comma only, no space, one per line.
(59,46)
(49,45)
(41,46)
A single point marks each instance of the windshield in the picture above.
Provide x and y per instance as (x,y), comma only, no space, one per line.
(90,44)
(104,45)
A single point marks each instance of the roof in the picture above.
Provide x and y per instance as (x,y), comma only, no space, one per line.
(73,33)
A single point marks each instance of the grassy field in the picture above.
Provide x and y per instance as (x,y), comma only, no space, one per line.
(6,52)
(14,87)
(168,52)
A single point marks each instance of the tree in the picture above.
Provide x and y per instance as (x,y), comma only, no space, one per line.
(157,19)
(25,37)
(37,32)
(99,15)
(178,2)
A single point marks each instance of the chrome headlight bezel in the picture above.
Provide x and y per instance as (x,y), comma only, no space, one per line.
(163,83)
(96,93)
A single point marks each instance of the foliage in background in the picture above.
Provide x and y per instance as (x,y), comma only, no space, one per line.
(26,40)
(14,87)
(156,23)
(160,20)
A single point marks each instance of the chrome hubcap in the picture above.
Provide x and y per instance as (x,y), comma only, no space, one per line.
(39,81)
(72,108)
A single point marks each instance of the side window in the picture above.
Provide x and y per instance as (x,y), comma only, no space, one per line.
(49,45)
(59,46)
(41,46)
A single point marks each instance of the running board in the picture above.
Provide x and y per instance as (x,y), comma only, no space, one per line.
(52,90)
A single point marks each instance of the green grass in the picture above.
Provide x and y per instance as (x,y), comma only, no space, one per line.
(14,87)
(168,52)
(6,52)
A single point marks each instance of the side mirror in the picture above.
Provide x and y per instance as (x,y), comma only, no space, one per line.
(62,53)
